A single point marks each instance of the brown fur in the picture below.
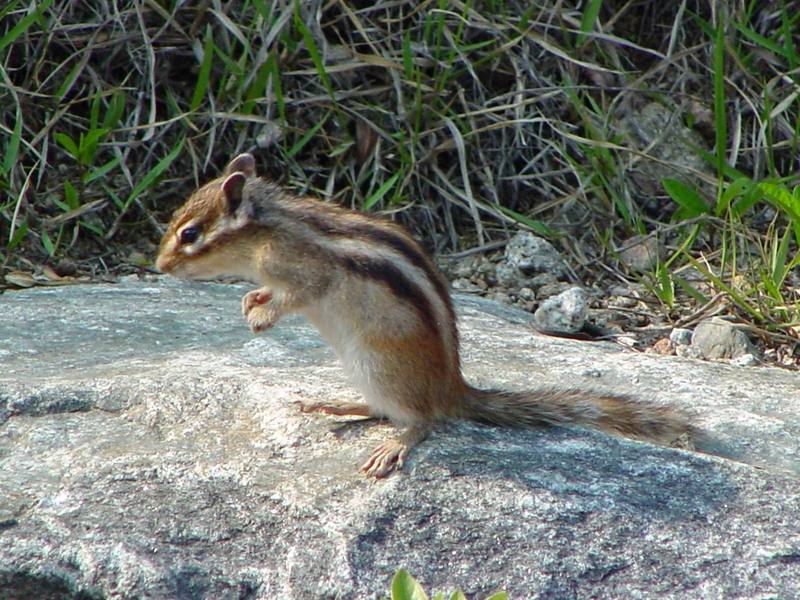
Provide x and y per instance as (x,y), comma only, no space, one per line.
(371,288)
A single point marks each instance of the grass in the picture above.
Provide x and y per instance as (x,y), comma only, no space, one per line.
(589,123)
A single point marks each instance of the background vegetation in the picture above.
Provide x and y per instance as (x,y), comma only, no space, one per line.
(589,122)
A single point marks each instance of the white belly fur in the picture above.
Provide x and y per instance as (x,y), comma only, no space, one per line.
(359,362)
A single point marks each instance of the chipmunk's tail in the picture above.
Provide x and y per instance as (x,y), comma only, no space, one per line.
(611,413)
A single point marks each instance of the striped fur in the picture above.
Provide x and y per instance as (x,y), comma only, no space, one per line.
(379,300)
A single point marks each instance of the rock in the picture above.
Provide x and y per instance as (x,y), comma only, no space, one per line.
(466,286)
(526,256)
(150,447)
(640,253)
(745,360)
(565,313)
(680,336)
(717,338)
(660,132)
(663,346)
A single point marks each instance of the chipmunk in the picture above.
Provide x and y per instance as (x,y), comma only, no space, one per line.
(377,298)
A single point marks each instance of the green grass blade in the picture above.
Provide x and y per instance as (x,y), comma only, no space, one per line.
(306,137)
(381,191)
(737,298)
(68,144)
(275,78)
(205,71)
(101,171)
(25,22)
(49,247)
(153,174)
(588,19)
(71,198)
(18,236)
(116,107)
(12,148)
(66,85)
(537,226)
(313,51)
(720,117)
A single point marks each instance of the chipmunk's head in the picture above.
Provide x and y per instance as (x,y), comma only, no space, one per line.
(206,237)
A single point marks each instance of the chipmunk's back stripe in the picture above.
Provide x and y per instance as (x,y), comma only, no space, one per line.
(383,235)
(385,272)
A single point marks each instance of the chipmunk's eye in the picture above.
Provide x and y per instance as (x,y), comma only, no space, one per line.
(190,234)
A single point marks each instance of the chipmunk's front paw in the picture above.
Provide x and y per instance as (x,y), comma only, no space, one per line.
(255,298)
(261,318)
(259,310)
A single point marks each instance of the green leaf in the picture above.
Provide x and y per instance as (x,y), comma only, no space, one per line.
(88,145)
(275,78)
(666,287)
(789,202)
(408,61)
(116,107)
(23,24)
(66,142)
(71,195)
(18,236)
(498,596)
(405,587)
(205,71)
(381,191)
(48,244)
(537,226)
(741,186)
(101,171)
(457,595)
(588,19)
(69,80)
(688,198)
(94,111)
(306,137)
(313,51)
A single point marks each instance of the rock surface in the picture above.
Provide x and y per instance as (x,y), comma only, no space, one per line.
(150,448)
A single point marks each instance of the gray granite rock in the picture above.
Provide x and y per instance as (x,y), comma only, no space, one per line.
(150,448)
(565,313)
(526,256)
(717,338)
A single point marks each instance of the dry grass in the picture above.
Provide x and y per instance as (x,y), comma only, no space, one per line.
(464,120)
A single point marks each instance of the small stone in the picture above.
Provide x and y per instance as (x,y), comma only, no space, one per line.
(681,336)
(465,267)
(526,294)
(565,313)
(465,286)
(717,338)
(622,302)
(531,255)
(65,268)
(640,253)
(553,289)
(502,297)
(745,360)
(664,346)
(527,256)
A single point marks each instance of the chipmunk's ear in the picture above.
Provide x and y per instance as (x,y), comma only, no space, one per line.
(232,189)
(244,163)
